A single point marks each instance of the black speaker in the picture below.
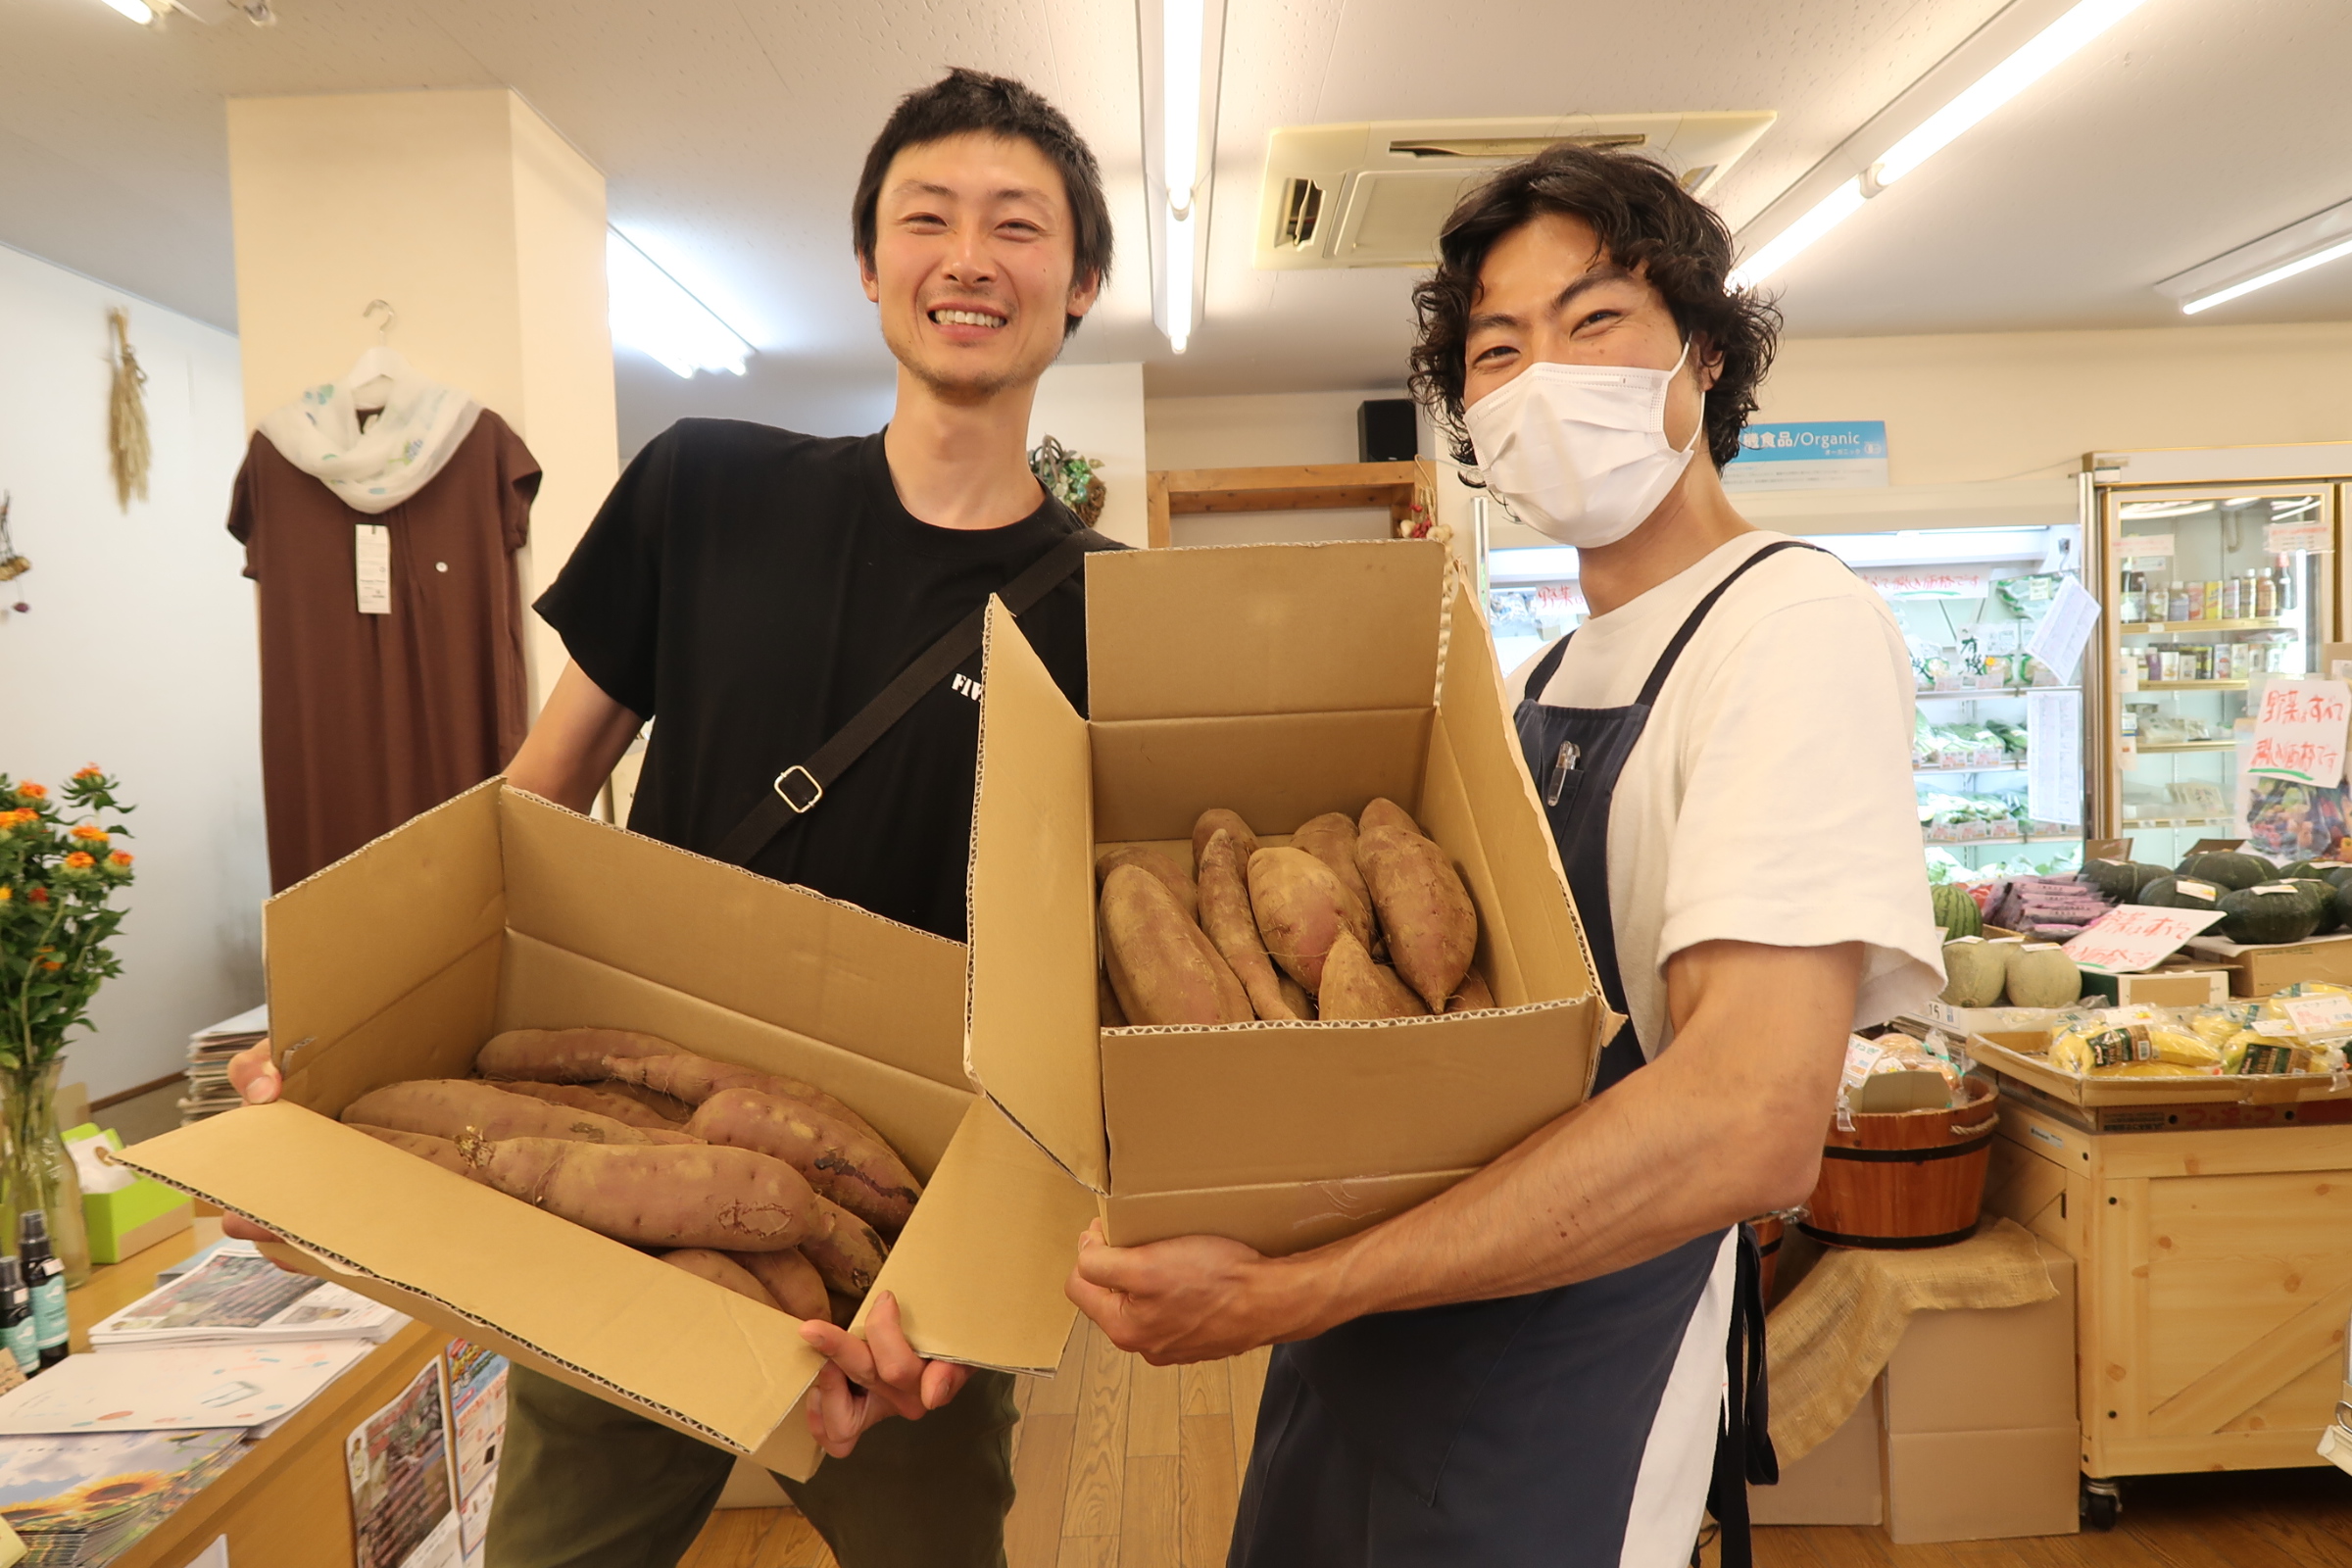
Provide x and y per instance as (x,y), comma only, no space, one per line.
(1386,431)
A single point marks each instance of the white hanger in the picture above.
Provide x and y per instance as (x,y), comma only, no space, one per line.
(382,364)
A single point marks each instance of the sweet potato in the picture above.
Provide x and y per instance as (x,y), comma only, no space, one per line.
(790,1280)
(1471,996)
(1385,812)
(1225,916)
(563,1055)
(1108,1014)
(1244,839)
(1354,987)
(604,1100)
(1300,908)
(1295,996)
(1158,865)
(846,1249)
(861,1174)
(731,1200)
(727,1269)
(1163,967)
(444,1107)
(694,1079)
(1431,922)
(845,1308)
(439,1150)
(1331,839)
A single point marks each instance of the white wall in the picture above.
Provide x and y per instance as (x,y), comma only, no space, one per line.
(2027,405)
(138,652)
(1097,410)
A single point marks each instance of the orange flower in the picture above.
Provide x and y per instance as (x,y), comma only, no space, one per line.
(90,771)
(51,963)
(79,861)
(33,792)
(39,895)
(89,833)
(121,858)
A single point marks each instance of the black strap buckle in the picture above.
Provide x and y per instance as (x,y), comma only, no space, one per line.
(803,797)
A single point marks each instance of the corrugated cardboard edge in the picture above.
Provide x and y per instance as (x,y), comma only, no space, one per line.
(309,1258)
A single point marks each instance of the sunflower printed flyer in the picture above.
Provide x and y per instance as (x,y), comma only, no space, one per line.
(84,1497)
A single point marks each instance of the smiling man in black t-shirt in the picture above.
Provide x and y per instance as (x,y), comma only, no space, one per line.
(752,591)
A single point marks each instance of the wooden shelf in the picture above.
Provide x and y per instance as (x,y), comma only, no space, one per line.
(1991,767)
(2177,821)
(2191,686)
(2045,838)
(2188,745)
(2149,628)
(1307,487)
(1967,692)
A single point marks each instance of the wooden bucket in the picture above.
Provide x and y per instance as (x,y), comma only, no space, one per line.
(1903,1179)
(1769,1229)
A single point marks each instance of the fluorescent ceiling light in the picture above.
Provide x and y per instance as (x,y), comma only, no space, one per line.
(2139,510)
(135,10)
(651,312)
(1179,280)
(1183,42)
(1912,547)
(2042,53)
(2277,275)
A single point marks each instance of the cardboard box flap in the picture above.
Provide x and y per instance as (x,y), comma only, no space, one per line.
(783,954)
(1029,1029)
(443,876)
(451,1242)
(1262,629)
(979,1269)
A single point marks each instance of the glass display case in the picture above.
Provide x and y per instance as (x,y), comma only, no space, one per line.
(1969,601)
(2207,593)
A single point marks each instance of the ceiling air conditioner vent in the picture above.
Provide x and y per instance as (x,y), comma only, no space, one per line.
(1375,194)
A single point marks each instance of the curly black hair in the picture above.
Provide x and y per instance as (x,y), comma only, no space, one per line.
(968,102)
(1649,225)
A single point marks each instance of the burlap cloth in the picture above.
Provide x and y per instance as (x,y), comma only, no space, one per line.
(1832,1334)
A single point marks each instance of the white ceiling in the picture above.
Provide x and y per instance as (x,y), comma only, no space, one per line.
(731,131)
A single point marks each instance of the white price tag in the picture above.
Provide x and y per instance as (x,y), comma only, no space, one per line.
(2285,538)
(371,567)
(2318,1015)
(2146,548)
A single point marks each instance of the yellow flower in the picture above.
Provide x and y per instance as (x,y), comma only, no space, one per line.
(7,894)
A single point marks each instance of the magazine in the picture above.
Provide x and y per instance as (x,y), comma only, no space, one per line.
(238,1297)
(403,1501)
(83,1500)
(179,1386)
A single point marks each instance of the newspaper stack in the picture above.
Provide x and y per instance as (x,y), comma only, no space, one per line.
(209,1051)
(236,1296)
(81,1500)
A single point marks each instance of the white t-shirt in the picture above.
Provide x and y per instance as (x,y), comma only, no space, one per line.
(1770,798)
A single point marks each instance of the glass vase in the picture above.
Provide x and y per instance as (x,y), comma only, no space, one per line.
(38,1172)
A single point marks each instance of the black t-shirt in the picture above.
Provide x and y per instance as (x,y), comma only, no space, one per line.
(751,590)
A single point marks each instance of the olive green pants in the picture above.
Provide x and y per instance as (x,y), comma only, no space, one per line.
(584,1484)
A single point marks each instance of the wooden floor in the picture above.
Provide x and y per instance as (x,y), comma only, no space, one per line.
(1124,1465)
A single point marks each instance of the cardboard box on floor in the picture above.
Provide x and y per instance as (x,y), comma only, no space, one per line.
(499,911)
(1841,1482)
(1280,681)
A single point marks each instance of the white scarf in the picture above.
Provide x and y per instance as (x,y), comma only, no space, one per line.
(372,470)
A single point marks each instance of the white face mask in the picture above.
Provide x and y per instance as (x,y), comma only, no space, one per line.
(1579,452)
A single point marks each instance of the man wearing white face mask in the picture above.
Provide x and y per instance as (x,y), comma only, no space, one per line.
(1555,1361)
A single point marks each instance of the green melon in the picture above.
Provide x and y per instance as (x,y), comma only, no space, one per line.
(1975,972)
(2041,975)
(2274,912)
(1956,912)
(2230,869)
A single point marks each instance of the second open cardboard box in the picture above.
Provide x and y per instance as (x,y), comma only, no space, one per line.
(1282,681)
(499,911)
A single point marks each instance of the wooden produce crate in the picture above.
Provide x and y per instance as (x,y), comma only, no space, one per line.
(2258,971)
(2215,1279)
(2024,1059)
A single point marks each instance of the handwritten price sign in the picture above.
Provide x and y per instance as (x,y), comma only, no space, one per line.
(2133,937)
(2299,731)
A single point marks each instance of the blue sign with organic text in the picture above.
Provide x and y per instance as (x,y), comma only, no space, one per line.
(1812,455)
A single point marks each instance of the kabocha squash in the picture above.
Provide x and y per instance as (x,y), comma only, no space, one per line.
(1956,912)
(2114,880)
(2274,912)
(2181,893)
(1975,971)
(2228,870)
(2323,899)
(2041,975)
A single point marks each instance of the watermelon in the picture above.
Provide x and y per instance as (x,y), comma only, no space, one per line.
(1956,912)
(2272,912)
(2230,869)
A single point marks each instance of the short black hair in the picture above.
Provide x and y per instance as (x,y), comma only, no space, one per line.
(965,103)
(1647,223)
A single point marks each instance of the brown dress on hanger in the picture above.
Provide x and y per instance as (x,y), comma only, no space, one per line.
(368,719)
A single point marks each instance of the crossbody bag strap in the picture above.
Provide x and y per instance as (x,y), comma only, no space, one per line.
(796,791)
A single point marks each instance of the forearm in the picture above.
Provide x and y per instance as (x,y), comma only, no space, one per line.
(579,737)
(1725,1125)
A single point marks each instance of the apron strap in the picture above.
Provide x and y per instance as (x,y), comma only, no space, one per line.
(1744,1452)
(1698,613)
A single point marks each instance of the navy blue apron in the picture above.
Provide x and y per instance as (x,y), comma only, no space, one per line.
(1510,1432)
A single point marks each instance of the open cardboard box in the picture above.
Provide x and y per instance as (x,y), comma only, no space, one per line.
(499,911)
(1282,681)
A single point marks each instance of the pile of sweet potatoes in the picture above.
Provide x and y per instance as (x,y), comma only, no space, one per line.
(1363,918)
(762,1184)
